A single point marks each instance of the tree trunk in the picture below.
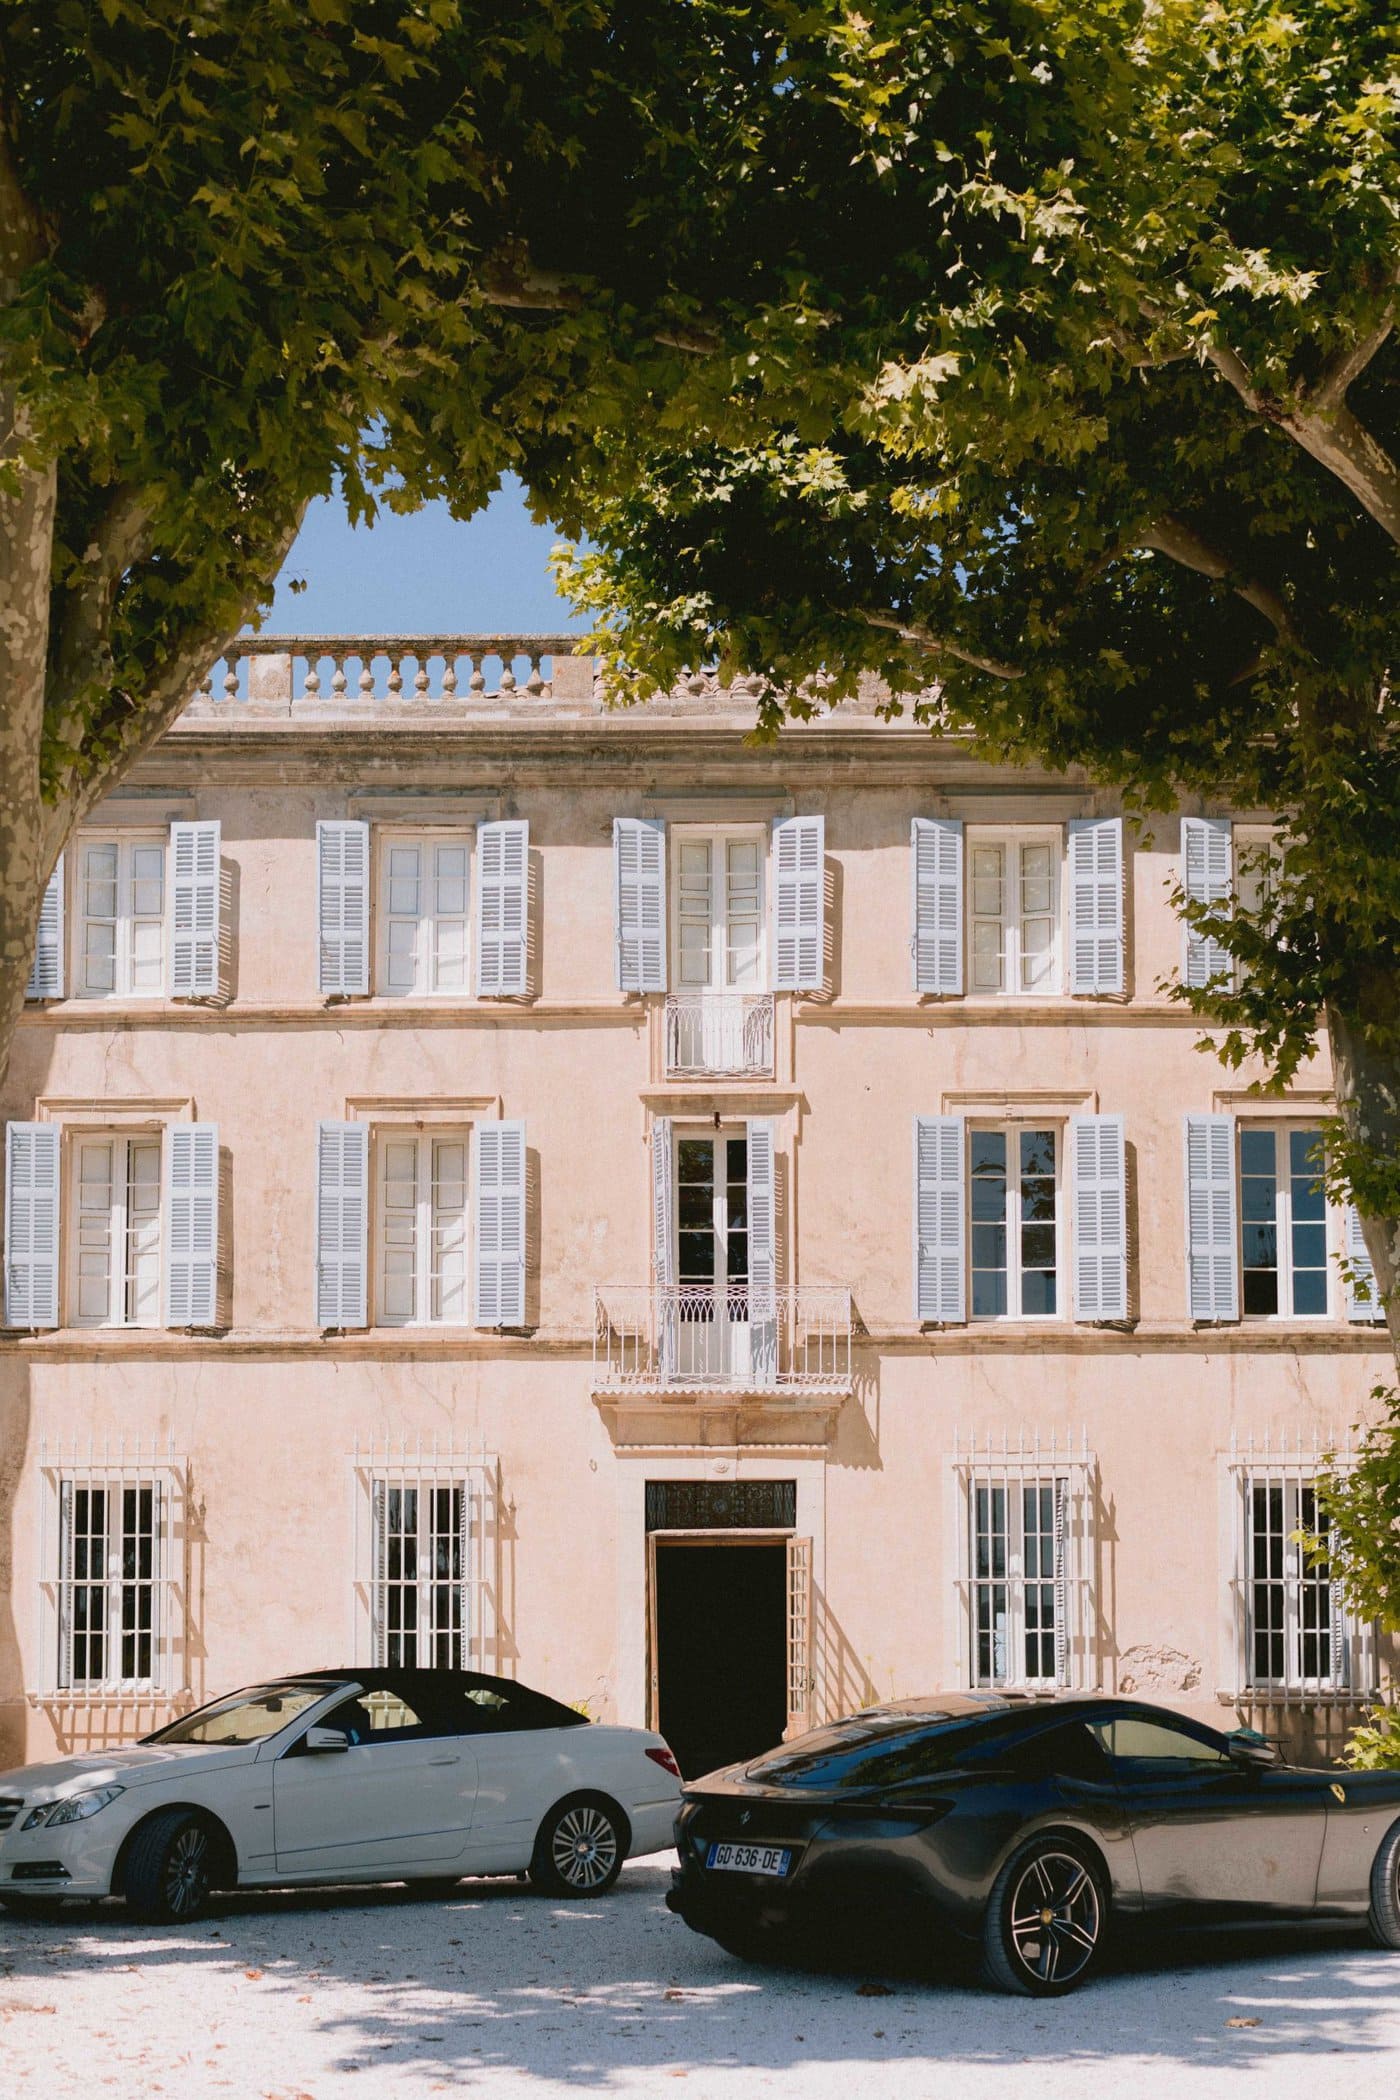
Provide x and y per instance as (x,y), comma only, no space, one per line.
(30,834)
(1367,1081)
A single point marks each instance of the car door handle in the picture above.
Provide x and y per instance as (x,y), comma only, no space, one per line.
(444,1760)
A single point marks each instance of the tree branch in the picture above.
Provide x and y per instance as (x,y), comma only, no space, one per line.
(80,642)
(1181,543)
(509,279)
(1338,372)
(939,645)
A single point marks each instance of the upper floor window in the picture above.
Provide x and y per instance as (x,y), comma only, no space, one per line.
(1260,1235)
(423,890)
(718,935)
(1014,1223)
(1014,913)
(121,918)
(421,1228)
(111,1228)
(451,910)
(1224,865)
(145,914)
(444,1251)
(1021,912)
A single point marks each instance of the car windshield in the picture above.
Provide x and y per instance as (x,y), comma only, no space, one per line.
(244,1717)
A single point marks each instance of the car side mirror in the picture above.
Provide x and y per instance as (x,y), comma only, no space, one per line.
(320,1742)
(1251,1750)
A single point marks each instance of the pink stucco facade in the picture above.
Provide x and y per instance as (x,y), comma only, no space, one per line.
(1028,1495)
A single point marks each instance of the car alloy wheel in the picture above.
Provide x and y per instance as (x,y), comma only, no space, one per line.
(1053,1919)
(186,1878)
(584,1847)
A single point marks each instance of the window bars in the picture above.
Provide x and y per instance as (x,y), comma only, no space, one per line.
(1025,1530)
(426,1556)
(112,1571)
(1294,1638)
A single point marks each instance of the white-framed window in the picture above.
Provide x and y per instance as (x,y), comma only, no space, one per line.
(1258,871)
(1283,1222)
(426,1528)
(120,916)
(114,1262)
(1013,912)
(424,913)
(1026,1529)
(111,1586)
(1014,1223)
(422,1269)
(1296,1634)
(718,932)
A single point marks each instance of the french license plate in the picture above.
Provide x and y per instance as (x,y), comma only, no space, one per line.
(749,1859)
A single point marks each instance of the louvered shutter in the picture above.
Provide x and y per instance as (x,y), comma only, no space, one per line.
(342,1224)
(936,850)
(1100,1218)
(1061,1585)
(799,904)
(763,1260)
(342,906)
(1363,1296)
(1096,905)
(502,894)
(191,1224)
(663,1241)
(499,1224)
(1212,1287)
(46,972)
(194,910)
(940,1291)
(1207,877)
(31,1224)
(639,903)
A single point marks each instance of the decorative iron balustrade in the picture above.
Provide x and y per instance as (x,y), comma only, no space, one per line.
(283,672)
(719,1034)
(690,1339)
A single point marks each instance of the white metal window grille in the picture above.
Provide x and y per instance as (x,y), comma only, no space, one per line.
(426,1547)
(115,1255)
(1025,1527)
(120,904)
(46,971)
(1283,1222)
(1296,1638)
(1013,1201)
(112,1581)
(1014,914)
(422,1228)
(423,914)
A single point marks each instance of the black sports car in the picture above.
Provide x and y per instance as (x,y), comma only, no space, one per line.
(1033,1826)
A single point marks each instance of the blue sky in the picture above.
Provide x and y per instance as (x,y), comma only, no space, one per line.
(425,572)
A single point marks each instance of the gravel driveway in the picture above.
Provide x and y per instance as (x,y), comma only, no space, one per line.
(495,1992)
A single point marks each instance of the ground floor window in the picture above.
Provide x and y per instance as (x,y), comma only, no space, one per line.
(425,1557)
(1026,1519)
(111,1588)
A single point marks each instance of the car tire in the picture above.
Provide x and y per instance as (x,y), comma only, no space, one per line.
(580,1848)
(169,1868)
(1043,1931)
(1383,1917)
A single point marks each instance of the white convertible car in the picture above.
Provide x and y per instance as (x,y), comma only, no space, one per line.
(420,1776)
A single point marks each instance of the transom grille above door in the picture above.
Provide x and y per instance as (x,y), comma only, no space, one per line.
(721,1505)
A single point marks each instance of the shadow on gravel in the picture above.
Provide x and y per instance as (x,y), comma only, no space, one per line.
(582,1993)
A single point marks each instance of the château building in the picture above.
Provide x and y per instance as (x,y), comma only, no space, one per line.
(729,1234)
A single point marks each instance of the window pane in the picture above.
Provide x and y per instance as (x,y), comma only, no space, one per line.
(398,1227)
(1258,1222)
(403,881)
(743,913)
(143,1232)
(694,910)
(449,1229)
(988,1192)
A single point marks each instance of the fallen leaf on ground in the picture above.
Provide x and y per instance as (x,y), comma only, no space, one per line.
(1238,2020)
(252,1974)
(874,1990)
(673,1994)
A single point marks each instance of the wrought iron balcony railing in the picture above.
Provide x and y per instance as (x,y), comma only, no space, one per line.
(720,1034)
(686,1339)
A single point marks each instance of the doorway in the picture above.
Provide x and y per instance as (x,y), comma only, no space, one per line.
(720,1633)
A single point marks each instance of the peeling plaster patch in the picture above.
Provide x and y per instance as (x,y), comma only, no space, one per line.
(1149,1668)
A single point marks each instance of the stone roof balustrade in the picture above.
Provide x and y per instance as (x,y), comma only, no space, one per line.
(441,677)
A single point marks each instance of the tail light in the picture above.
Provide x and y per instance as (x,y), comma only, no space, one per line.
(660,1755)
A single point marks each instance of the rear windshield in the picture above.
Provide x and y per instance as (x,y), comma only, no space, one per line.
(871,1750)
